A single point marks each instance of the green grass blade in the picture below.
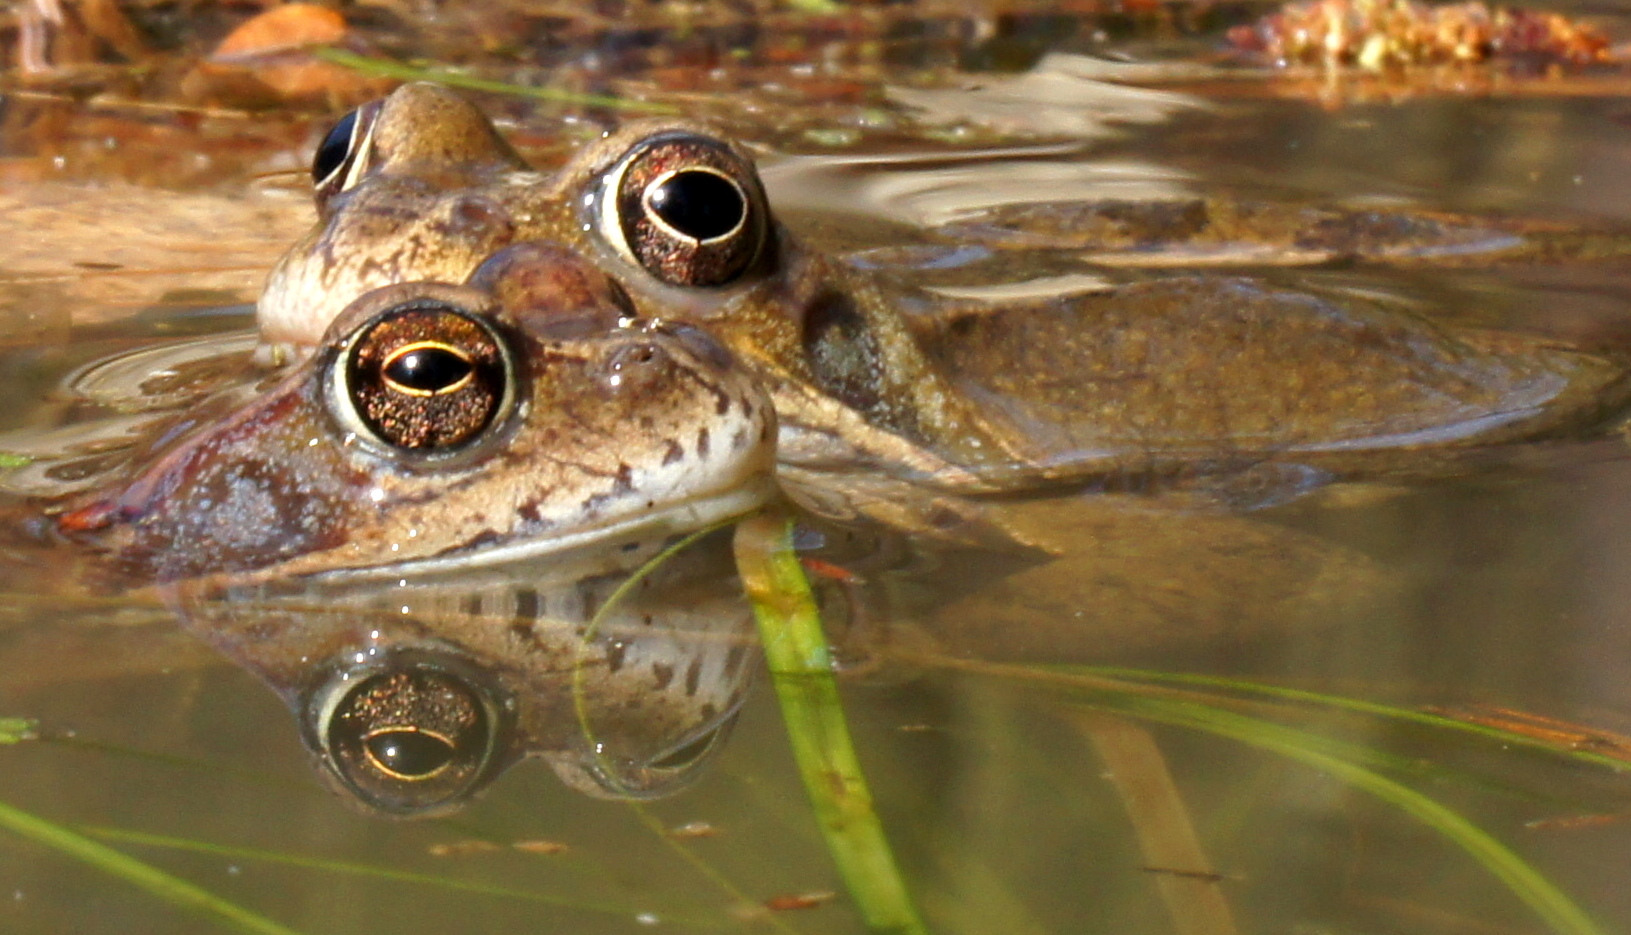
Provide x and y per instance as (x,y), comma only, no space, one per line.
(386,68)
(587,729)
(1551,904)
(173,890)
(18,729)
(1098,690)
(1360,706)
(350,868)
(795,647)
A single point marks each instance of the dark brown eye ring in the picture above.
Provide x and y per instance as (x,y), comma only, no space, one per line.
(687,209)
(424,376)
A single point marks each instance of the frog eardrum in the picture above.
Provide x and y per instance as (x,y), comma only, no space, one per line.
(685,208)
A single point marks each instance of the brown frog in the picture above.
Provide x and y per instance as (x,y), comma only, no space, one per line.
(525,412)
(423,536)
(496,364)
(1187,376)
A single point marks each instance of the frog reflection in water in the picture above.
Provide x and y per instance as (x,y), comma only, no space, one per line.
(494,363)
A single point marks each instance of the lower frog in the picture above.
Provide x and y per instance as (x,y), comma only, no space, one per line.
(429,536)
(525,412)
(1204,378)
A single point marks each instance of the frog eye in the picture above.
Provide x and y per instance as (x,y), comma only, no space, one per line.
(408,739)
(423,376)
(342,157)
(687,209)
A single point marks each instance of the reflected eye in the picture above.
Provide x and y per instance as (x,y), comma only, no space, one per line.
(424,376)
(409,739)
(342,157)
(409,753)
(687,209)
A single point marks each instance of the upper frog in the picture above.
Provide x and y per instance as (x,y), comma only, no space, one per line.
(1188,375)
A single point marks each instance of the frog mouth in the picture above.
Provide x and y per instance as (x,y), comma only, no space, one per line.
(539,540)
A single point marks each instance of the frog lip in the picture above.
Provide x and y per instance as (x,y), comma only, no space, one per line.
(674,518)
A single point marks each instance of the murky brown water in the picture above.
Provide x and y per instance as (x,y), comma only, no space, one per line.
(1505,590)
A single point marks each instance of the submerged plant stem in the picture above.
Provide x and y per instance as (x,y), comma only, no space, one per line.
(355,869)
(795,647)
(1340,760)
(173,890)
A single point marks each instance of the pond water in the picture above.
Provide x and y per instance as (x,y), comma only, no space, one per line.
(1015,797)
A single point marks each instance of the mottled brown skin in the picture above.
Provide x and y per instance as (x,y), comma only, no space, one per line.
(1193,375)
(619,428)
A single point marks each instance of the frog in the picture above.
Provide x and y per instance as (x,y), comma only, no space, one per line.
(470,366)
(431,537)
(441,426)
(1216,382)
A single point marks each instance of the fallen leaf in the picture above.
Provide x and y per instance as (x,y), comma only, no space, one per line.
(281,29)
(265,61)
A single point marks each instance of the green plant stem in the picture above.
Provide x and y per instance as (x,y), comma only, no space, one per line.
(173,890)
(386,68)
(1555,909)
(1360,706)
(349,868)
(795,648)
(1330,756)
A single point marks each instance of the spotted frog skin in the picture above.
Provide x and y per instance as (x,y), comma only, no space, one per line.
(523,412)
(1177,375)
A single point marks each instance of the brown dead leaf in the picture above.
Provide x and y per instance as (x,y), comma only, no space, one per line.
(265,61)
(281,29)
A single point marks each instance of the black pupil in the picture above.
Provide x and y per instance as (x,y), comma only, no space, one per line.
(410,753)
(700,205)
(335,147)
(427,369)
